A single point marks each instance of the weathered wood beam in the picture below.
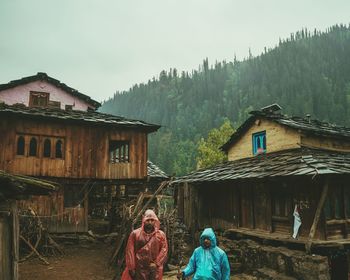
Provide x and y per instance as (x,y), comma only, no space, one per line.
(317,217)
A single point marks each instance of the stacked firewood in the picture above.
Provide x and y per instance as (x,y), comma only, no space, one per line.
(179,239)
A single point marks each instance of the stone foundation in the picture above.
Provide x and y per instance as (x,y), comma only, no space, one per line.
(268,262)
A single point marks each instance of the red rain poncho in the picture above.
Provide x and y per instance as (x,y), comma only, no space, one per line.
(143,248)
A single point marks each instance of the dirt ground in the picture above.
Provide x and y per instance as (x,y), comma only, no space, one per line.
(80,262)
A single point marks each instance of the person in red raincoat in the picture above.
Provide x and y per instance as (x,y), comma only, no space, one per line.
(146,251)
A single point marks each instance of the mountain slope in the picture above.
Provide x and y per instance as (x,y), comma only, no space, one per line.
(308,73)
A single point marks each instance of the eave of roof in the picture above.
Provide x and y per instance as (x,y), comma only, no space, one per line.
(313,127)
(155,172)
(87,117)
(12,186)
(40,76)
(295,162)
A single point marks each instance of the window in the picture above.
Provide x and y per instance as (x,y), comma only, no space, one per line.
(58,150)
(20,146)
(33,145)
(259,143)
(68,107)
(47,148)
(38,99)
(334,204)
(118,151)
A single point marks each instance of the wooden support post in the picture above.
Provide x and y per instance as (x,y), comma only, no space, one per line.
(15,241)
(317,217)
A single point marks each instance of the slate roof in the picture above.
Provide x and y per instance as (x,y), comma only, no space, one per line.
(310,126)
(87,117)
(40,76)
(296,162)
(155,172)
(12,186)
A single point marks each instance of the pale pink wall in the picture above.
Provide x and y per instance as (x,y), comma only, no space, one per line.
(20,94)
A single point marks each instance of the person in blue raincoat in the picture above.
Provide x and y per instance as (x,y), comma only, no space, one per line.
(208,261)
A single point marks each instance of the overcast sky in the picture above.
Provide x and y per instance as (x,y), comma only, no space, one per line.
(101,46)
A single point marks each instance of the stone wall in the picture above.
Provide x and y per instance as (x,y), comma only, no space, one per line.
(251,257)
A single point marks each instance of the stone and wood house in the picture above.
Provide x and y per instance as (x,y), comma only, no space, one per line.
(51,131)
(286,183)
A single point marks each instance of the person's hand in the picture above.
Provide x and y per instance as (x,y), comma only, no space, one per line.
(179,275)
(132,273)
(153,266)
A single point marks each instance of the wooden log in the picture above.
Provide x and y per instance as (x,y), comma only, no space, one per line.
(34,250)
(317,217)
(53,242)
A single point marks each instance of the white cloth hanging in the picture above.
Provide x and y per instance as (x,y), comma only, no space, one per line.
(297,221)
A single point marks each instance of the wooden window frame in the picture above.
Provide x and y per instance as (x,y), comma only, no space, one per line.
(119,151)
(261,137)
(44,148)
(62,148)
(24,145)
(36,146)
(37,94)
(40,146)
(336,195)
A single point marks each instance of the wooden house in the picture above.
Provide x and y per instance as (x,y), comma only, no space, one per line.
(277,166)
(12,188)
(41,90)
(52,131)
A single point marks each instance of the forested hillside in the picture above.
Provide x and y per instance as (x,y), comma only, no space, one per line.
(308,73)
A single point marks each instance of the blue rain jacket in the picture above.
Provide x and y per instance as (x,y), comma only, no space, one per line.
(210,263)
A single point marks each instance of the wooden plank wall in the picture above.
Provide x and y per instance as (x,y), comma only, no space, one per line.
(248,205)
(262,207)
(218,207)
(55,216)
(85,151)
(191,207)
